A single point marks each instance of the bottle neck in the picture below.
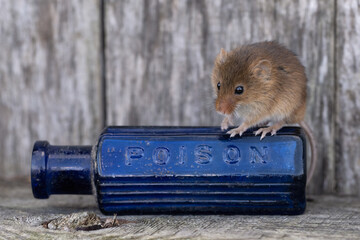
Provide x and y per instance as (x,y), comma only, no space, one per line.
(60,170)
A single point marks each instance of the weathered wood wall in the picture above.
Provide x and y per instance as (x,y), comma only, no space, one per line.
(50,85)
(347,96)
(158,58)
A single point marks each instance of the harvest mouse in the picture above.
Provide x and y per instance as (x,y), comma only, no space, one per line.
(261,83)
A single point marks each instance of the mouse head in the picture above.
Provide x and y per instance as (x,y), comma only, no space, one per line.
(239,78)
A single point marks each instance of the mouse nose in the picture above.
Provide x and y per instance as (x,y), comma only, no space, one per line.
(224,106)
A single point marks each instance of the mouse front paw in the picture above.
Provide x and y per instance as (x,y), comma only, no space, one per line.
(239,130)
(226,122)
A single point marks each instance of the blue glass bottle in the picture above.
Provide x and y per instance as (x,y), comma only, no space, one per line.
(178,170)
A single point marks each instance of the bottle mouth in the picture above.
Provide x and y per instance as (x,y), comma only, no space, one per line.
(38,169)
(60,170)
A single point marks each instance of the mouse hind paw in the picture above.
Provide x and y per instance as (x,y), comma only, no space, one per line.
(265,131)
(272,129)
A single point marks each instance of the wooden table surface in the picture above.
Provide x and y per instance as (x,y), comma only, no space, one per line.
(22,217)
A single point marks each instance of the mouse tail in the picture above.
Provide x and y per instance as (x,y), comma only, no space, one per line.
(313,147)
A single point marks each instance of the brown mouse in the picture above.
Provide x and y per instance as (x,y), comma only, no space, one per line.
(261,83)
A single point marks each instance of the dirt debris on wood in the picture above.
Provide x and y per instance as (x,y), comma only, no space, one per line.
(83,221)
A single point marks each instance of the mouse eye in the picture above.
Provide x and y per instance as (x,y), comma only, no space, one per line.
(218,85)
(239,90)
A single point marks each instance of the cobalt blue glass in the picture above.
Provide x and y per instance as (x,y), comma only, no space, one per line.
(178,170)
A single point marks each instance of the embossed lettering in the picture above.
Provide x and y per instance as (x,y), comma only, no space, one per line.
(182,155)
(203,154)
(161,156)
(231,155)
(258,157)
(112,149)
(133,153)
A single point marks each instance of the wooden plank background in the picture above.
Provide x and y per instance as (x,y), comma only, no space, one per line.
(50,77)
(347,97)
(158,60)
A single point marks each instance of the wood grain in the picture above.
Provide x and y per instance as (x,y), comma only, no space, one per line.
(326,218)
(160,55)
(307,27)
(49,77)
(348,97)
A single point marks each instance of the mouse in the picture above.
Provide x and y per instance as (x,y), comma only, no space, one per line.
(262,83)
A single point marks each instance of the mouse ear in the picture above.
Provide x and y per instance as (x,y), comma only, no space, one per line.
(221,57)
(262,69)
